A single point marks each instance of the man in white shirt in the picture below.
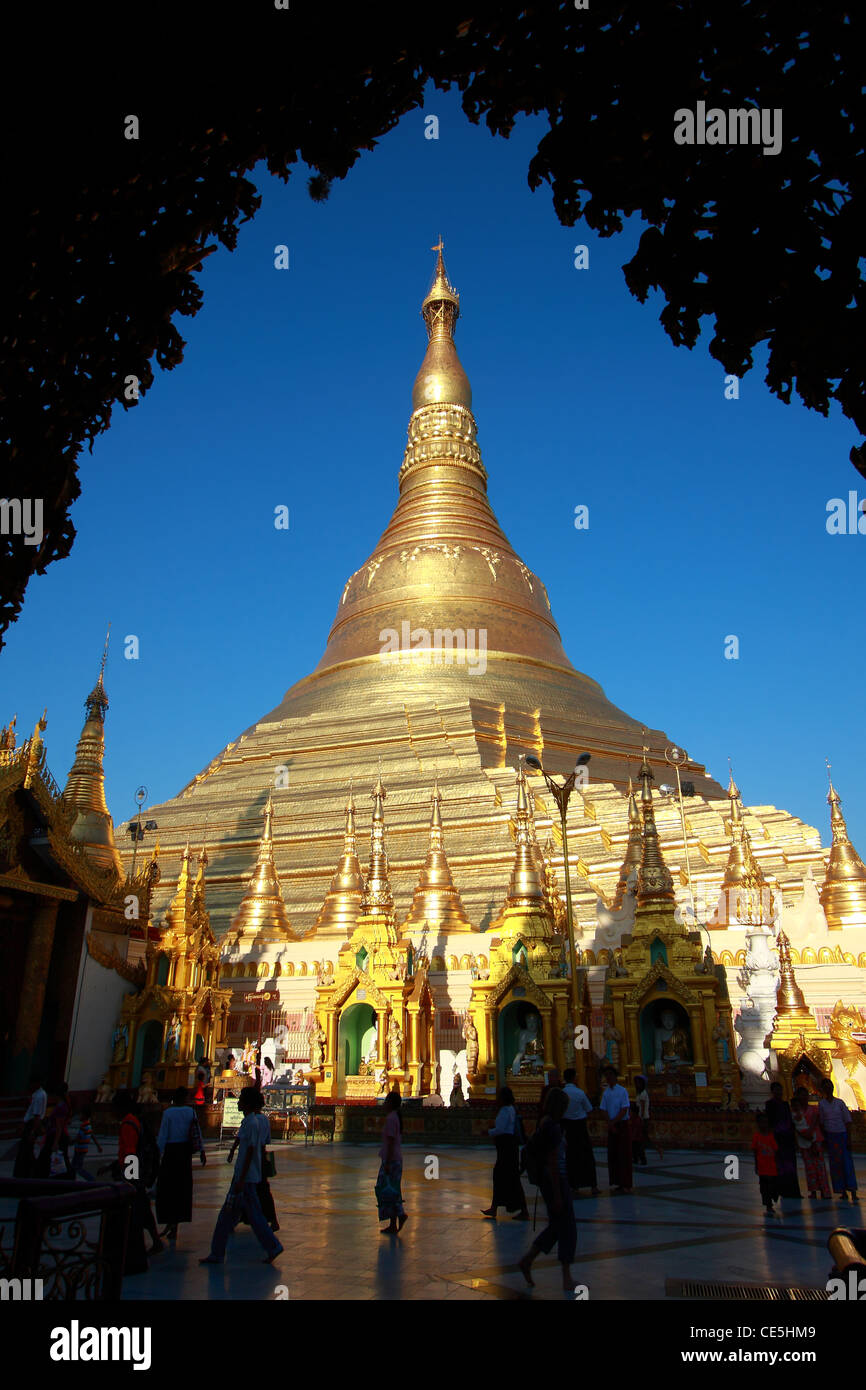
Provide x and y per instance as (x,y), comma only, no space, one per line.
(580,1160)
(243,1196)
(25,1161)
(616,1105)
(38,1102)
(835,1118)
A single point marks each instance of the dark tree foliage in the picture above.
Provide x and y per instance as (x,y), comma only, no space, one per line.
(107,233)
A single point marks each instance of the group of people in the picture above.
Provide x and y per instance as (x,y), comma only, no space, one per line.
(562,1159)
(784,1131)
(44,1148)
(558,1157)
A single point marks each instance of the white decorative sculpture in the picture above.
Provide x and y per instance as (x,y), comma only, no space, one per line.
(759,978)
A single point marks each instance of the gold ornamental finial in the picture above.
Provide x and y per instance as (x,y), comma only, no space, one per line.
(843,894)
(789,996)
(654,882)
(441,380)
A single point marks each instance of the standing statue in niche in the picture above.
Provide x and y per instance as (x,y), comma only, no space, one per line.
(720,1038)
(318,1038)
(119,1043)
(172,1042)
(470,1033)
(613,1038)
(395,1044)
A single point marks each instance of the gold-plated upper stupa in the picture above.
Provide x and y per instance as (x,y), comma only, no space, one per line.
(444,661)
(843,896)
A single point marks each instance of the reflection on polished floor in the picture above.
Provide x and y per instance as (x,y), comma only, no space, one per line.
(684,1220)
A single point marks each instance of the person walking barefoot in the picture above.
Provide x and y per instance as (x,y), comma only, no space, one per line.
(243,1195)
(389,1193)
(507,1187)
(179,1137)
(561,1230)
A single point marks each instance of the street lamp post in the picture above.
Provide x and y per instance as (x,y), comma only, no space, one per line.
(561,793)
(136,829)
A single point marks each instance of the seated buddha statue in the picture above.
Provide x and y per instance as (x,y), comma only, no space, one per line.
(671,1041)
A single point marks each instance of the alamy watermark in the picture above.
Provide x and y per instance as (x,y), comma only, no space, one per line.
(739,126)
(22,516)
(447,646)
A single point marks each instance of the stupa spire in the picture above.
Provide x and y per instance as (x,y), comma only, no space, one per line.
(654,882)
(526,888)
(789,996)
(339,912)
(633,850)
(262,913)
(436,901)
(843,894)
(178,912)
(377,896)
(93,828)
(747,898)
(441,380)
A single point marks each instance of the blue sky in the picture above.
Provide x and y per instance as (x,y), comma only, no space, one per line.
(707,515)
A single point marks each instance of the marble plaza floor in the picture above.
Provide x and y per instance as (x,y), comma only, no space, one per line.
(683,1221)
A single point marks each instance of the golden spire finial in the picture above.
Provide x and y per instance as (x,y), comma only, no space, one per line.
(441,380)
(269,818)
(104,652)
(436,806)
(843,894)
(789,996)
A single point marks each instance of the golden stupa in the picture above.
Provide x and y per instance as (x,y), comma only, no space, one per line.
(443,662)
